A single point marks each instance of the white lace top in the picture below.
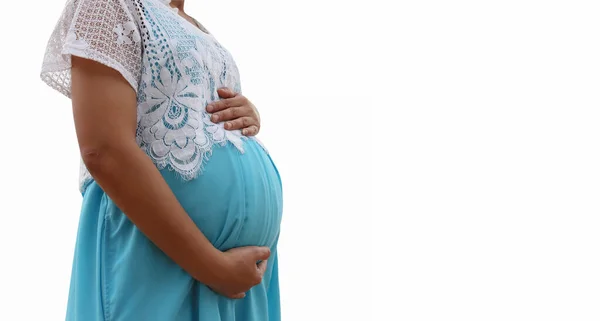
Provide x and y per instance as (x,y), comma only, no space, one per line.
(174,67)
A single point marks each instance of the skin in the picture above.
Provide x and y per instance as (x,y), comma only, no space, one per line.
(104,110)
(234,109)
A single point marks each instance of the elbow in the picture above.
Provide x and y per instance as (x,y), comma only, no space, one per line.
(104,157)
(100,160)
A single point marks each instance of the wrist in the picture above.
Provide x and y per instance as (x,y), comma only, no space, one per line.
(210,267)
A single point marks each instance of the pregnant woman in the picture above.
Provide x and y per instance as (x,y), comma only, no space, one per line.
(181,204)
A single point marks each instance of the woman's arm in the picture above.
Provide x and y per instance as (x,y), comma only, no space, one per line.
(104,108)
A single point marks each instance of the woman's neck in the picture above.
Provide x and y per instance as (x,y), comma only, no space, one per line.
(177,4)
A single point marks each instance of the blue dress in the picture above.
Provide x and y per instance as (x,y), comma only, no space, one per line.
(228,184)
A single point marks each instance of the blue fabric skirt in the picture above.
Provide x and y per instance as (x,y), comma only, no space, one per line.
(120,275)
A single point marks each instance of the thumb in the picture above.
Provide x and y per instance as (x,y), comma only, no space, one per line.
(225,92)
(262,253)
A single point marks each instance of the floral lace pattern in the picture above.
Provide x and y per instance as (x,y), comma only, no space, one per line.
(174,67)
(123,32)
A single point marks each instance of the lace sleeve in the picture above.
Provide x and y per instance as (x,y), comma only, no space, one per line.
(105,31)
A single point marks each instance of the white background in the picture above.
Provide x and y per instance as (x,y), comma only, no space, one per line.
(295,60)
(440,158)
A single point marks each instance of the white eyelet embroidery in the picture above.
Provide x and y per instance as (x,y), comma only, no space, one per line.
(174,68)
(123,32)
(75,44)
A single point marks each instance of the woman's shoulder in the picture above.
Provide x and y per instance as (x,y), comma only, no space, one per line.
(105,31)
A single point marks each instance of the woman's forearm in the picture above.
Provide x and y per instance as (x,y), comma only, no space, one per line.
(135,185)
(105,113)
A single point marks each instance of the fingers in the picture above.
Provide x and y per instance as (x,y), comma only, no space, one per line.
(225,103)
(262,267)
(250,131)
(236,111)
(230,113)
(237,296)
(262,253)
(226,93)
(228,295)
(241,123)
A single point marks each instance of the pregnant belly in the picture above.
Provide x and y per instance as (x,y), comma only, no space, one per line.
(237,200)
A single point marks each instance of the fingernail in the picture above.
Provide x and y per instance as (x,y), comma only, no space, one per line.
(215,118)
(209,108)
(244,132)
(227,125)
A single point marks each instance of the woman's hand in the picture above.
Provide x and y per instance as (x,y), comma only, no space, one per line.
(104,109)
(236,111)
(238,271)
